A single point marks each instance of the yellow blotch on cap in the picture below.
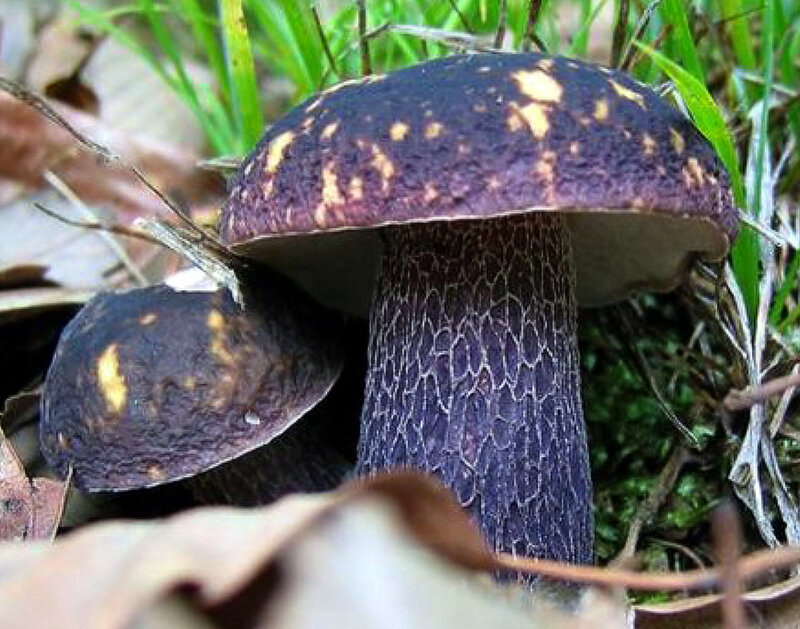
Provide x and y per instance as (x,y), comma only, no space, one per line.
(383,165)
(398,131)
(330,187)
(216,325)
(110,378)
(329,130)
(355,189)
(678,143)
(649,144)
(695,170)
(431,193)
(532,115)
(148,318)
(538,85)
(624,92)
(433,130)
(601,109)
(276,150)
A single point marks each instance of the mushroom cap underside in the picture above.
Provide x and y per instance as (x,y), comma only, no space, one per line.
(616,254)
(487,135)
(155,385)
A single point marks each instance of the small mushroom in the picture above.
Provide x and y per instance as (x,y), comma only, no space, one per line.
(155,385)
(482,198)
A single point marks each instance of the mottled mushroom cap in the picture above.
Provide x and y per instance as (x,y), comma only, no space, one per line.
(480,136)
(154,385)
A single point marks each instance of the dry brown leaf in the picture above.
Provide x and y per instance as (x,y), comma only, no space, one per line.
(773,607)
(33,145)
(348,552)
(59,54)
(124,567)
(29,509)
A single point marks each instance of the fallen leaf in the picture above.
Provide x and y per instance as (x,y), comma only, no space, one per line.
(29,509)
(33,145)
(773,607)
(373,551)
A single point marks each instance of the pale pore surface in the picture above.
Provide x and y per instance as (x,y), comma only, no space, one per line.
(616,254)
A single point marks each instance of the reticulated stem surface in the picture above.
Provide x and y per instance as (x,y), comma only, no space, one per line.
(474,376)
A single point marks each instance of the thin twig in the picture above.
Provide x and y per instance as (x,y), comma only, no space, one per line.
(117,249)
(650,506)
(534,7)
(500,34)
(727,533)
(366,66)
(453,39)
(783,406)
(630,49)
(120,230)
(105,155)
(325,47)
(739,400)
(646,373)
(751,566)
(619,32)
(461,16)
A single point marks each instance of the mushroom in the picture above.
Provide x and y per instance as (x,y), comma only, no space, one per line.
(155,385)
(497,191)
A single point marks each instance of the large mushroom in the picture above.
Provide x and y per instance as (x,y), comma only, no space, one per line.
(155,385)
(496,192)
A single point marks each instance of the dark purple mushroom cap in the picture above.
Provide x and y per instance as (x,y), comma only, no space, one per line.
(155,385)
(479,136)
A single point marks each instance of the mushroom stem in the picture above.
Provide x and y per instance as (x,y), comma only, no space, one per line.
(474,376)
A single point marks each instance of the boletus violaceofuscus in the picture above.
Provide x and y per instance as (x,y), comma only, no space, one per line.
(481,198)
(155,385)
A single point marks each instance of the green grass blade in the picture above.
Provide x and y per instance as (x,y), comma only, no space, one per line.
(673,13)
(786,286)
(790,52)
(711,124)
(184,86)
(202,26)
(242,76)
(735,21)
(767,37)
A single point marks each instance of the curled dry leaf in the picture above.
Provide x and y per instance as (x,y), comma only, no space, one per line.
(773,607)
(33,145)
(363,552)
(30,509)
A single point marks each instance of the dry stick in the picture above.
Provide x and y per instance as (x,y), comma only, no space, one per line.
(448,38)
(461,16)
(630,49)
(649,507)
(656,45)
(114,228)
(779,415)
(749,567)
(534,8)
(738,400)
(366,67)
(646,373)
(727,535)
(106,155)
(501,24)
(325,47)
(619,32)
(64,190)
